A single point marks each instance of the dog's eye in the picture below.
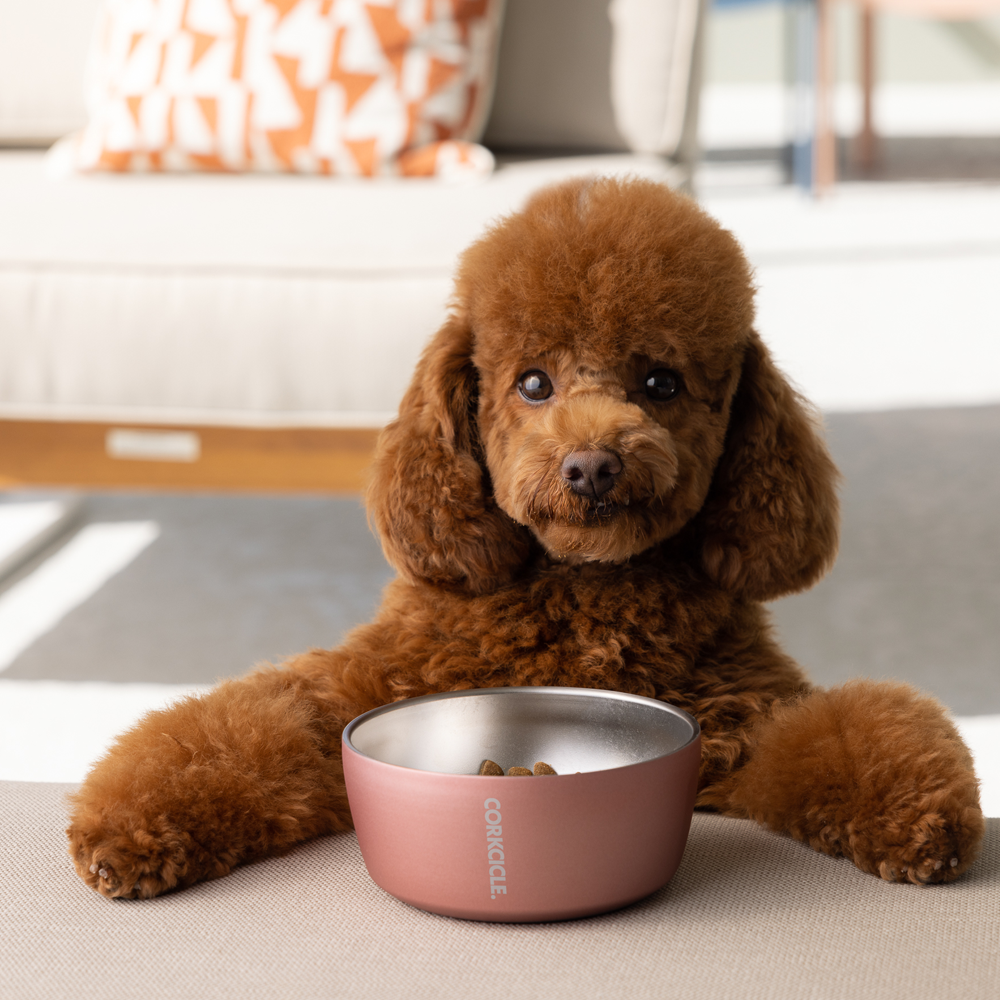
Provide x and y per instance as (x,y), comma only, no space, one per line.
(535,385)
(662,384)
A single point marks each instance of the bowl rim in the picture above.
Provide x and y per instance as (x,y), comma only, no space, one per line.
(545,690)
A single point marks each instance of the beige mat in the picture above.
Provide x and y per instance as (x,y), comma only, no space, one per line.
(749,915)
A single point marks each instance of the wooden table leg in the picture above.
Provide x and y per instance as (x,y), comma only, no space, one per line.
(867,149)
(825,153)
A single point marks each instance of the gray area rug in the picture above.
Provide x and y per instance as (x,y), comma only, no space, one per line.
(915,593)
(232,581)
(237,580)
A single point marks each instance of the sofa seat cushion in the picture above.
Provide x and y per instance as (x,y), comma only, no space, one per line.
(210,298)
(748,915)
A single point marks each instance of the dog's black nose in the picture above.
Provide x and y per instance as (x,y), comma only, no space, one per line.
(591,473)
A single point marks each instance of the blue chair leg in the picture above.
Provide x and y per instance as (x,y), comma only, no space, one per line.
(803,90)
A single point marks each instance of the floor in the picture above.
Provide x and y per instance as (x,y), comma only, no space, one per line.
(879,295)
(229,582)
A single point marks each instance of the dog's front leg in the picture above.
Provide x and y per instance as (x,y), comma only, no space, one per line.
(248,770)
(871,771)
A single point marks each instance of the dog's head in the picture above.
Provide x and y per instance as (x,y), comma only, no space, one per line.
(598,389)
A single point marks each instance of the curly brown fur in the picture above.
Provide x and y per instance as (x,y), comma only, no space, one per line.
(645,577)
(872,770)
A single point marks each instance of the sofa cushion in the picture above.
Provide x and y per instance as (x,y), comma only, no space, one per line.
(43,48)
(594,74)
(749,916)
(342,87)
(207,298)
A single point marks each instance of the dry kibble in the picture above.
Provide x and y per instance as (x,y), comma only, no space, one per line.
(493,769)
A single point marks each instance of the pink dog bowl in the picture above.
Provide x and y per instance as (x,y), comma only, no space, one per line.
(438,836)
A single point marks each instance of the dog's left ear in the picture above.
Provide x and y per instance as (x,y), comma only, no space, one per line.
(770,523)
(429,496)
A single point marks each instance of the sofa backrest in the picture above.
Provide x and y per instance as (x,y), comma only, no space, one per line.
(596,75)
(43,48)
(573,74)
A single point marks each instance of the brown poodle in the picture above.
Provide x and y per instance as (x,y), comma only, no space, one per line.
(596,477)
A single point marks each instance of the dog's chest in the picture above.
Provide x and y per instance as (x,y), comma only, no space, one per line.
(629,630)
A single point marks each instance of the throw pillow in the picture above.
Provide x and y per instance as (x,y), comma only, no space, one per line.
(347,87)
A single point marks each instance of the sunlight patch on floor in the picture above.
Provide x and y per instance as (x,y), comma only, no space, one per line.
(54,730)
(35,604)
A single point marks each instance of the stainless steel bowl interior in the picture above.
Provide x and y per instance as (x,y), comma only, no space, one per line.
(572,729)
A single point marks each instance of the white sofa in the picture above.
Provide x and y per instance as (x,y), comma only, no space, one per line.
(290,301)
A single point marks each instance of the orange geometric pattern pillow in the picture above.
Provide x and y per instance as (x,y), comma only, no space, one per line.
(347,87)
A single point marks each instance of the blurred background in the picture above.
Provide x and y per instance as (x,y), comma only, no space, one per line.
(936,109)
(134,568)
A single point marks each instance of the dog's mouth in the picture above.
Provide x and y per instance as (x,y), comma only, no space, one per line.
(611,528)
(604,509)
(555,503)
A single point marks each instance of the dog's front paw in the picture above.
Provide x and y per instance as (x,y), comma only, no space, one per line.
(930,848)
(131,862)
(130,848)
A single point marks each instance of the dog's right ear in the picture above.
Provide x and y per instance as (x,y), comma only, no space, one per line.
(429,497)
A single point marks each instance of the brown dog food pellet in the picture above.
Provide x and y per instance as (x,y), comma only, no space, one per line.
(493,769)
